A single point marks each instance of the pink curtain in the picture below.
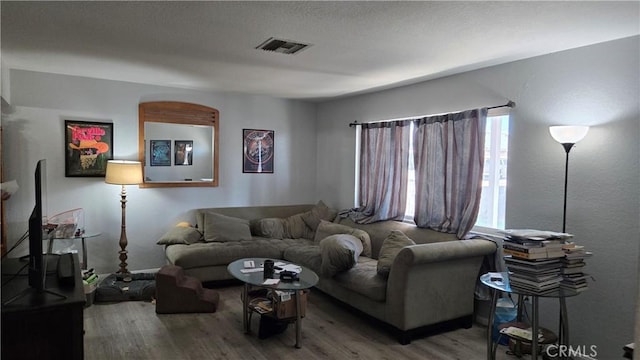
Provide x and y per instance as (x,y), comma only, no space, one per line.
(448,161)
(384,166)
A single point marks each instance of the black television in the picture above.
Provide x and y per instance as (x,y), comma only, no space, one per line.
(38,229)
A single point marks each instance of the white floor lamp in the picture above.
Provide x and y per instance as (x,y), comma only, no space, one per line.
(567,136)
(123,172)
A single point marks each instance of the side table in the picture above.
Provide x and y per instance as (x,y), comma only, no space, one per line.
(83,237)
(504,286)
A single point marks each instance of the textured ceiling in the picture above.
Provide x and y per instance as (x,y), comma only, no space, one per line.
(356,46)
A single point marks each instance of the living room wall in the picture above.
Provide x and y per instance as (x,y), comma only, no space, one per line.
(34,129)
(596,86)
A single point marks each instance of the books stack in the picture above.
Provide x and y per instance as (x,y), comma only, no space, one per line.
(261,305)
(536,276)
(573,275)
(533,250)
(534,259)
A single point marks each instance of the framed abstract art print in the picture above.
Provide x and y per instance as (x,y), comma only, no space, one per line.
(88,147)
(257,151)
(160,152)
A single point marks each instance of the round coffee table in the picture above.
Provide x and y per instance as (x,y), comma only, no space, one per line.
(249,271)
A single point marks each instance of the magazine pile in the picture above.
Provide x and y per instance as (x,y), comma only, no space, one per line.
(541,261)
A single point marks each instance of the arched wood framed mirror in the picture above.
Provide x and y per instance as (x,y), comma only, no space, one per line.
(178,144)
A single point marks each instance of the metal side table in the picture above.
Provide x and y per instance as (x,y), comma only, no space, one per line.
(503,286)
(83,237)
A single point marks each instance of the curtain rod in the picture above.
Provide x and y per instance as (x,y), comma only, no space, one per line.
(510,104)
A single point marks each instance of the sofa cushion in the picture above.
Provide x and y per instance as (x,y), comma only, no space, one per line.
(269,228)
(318,213)
(379,231)
(223,253)
(295,228)
(180,235)
(364,280)
(328,228)
(306,255)
(391,246)
(222,228)
(340,253)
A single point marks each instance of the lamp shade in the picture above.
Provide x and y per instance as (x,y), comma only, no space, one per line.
(123,172)
(568,134)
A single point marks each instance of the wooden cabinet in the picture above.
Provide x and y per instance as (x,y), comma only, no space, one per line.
(41,325)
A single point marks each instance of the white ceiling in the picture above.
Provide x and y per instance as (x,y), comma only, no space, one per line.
(357,47)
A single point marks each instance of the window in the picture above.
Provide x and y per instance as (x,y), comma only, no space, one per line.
(494,177)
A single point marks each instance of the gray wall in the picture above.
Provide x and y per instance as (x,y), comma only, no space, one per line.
(35,130)
(596,86)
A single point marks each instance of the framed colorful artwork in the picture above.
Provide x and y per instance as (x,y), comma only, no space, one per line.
(88,147)
(183,152)
(257,151)
(160,152)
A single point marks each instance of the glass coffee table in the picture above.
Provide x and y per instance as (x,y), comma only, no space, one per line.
(250,272)
(83,237)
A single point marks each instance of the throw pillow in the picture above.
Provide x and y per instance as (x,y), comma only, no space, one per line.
(295,228)
(328,228)
(339,253)
(180,235)
(221,228)
(391,246)
(318,213)
(270,227)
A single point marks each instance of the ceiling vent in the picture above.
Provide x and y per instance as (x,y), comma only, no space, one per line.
(282,46)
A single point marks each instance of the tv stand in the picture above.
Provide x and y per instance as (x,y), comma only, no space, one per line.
(28,292)
(36,324)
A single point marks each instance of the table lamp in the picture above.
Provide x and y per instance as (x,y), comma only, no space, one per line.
(123,172)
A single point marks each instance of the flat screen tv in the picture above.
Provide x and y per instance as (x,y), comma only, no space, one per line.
(37,229)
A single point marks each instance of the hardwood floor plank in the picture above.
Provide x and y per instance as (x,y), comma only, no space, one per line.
(132,330)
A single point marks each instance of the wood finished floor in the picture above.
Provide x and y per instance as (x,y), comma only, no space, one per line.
(132,330)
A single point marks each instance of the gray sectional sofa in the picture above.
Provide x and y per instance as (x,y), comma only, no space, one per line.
(428,284)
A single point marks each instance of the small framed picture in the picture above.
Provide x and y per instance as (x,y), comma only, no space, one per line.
(183,152)
(257,151)
(88,147)
(160,151)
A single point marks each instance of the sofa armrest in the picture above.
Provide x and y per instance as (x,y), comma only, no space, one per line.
(443,251)
(430,283)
